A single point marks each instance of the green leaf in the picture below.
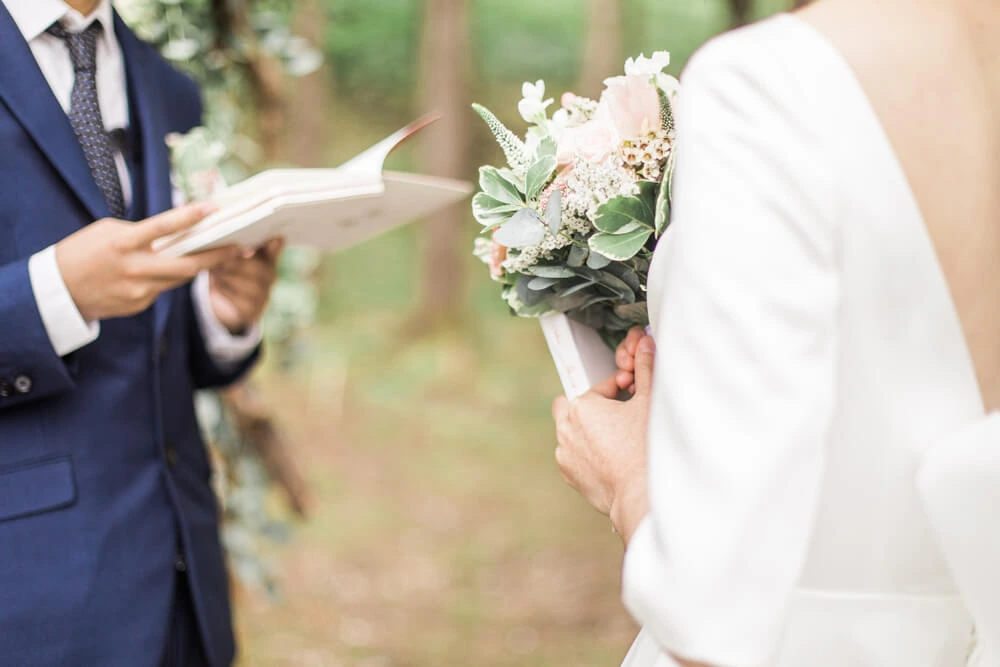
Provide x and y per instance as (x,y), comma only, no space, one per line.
(538,176)
(662,209)
(528,296)
(578,254)
(493,183)
(553,212)
(618,212)
(524,229)
(620,247)
(547,147)
(577,288)
(539,284)
(637,313)
(552,272)
(597,261)
(489,211)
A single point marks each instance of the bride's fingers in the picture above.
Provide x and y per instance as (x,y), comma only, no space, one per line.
(625,379)
(608,388)
(625,354)
(645,356)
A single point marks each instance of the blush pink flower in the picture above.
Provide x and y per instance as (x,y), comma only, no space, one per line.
(629,108)
(498,255)
(634,105)
(591,141)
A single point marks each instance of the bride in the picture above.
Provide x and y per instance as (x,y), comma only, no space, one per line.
(823,474)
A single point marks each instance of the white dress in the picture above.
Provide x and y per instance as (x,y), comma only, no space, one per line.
(823,477)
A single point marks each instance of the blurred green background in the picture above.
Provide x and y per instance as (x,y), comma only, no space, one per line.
(439,530)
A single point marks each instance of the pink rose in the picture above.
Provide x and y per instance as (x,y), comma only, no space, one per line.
(634,105)
(592,141)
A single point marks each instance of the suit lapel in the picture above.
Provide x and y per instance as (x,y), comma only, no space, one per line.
(147,101)
(24,90)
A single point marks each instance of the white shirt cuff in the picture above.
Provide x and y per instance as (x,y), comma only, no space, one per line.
(225,348)
(65,326)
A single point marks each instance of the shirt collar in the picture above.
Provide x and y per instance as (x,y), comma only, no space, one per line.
(33,17)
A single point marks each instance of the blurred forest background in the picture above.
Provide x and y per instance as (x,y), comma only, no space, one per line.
(414,413)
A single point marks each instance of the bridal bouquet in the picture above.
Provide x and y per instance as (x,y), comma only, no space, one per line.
(570,223)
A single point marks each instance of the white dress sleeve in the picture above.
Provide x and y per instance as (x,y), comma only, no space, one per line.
(745,371)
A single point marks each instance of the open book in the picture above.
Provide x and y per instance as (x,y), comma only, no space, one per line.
(327,209)
(581,357)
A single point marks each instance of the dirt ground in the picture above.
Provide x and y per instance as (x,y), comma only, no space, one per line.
(441,532)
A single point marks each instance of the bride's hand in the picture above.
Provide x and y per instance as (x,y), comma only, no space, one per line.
(625,359)
(602,444)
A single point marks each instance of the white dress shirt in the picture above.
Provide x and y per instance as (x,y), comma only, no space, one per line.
(812,389)
(66,328)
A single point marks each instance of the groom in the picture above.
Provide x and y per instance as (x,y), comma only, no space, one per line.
(109,542)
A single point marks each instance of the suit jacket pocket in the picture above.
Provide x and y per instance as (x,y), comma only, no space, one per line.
(35,487)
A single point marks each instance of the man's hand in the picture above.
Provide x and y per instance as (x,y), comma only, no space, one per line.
(241,287)
(111,270)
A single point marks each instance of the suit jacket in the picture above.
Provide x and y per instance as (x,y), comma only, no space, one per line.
(104,479)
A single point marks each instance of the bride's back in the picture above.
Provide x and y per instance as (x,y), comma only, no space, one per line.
(931,70)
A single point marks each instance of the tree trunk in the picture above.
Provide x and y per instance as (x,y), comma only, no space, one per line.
(740,12)
(307,129)
(444,82)
(603,55)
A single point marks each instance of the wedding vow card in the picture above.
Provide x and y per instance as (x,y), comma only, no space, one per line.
(326,209)
(580,356)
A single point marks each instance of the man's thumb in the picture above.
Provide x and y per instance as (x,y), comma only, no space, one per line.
(645,356)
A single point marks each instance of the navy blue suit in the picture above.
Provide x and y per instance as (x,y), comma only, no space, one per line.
(104,478)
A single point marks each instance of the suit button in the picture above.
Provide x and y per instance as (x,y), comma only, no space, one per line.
(179,563)
(22,384)
(170,455)
(6,391)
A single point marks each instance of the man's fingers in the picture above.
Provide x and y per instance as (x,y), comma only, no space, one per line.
(183,269)
(645,356)
(170,222)
(240,286)
(273,249)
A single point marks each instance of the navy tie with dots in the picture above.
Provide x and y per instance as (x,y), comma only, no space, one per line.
(85,114)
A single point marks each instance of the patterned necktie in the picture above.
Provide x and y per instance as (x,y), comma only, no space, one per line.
(85,114)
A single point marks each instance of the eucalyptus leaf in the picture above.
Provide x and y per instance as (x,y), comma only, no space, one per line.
(496,186)
(619,247)
(597,261)
(528,296)
(626,274)
(553,212)
(619,286)
(539,284)
(577,255)
(543,271)
(636,313)
(579,287)
(523,230)
(538,176)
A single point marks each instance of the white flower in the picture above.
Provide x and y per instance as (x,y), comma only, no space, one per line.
(643,66)
(533,106)
(653,67)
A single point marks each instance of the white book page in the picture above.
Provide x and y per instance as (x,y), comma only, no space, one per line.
(327,209)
